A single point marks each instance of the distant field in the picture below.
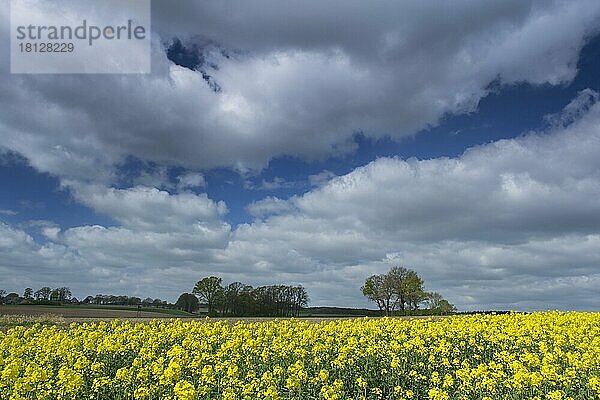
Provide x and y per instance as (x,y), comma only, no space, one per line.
(91,312)
(97,313)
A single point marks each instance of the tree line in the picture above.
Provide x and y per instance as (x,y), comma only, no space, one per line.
(401,290)
(122,300)
(239,299)
(44,294)
(47,295)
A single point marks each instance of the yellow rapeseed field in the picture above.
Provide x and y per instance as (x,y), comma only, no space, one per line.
(551,355)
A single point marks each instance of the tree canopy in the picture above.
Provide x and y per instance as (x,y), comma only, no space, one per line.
(239,299)
(401,289)
(209,290)
(187,302)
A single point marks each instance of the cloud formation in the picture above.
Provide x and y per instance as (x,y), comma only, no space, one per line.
(510,224)
(296,79)
(514,223)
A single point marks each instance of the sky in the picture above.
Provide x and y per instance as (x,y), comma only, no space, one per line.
(317,143)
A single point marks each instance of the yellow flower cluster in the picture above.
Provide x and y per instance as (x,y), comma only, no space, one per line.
(549,355)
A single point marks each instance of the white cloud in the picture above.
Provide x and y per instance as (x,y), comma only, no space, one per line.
(158,178)
(51,232)
(268,206)
(575,109)
(150,208)
(25,263)
(277,183)
(191,180)
(158,236)
(320,178)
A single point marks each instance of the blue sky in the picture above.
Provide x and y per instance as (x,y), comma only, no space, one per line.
(300,167)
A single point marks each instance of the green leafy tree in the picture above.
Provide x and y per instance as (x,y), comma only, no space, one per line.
(210,291)
(43,293)
(12,298)
(446,307)
(220,302)
(28,293)
(373,290)
(407,287)
(439,305)
(300,299)
(64,293)
(234,299)
(399,289)
(187,302)
(55,295)
(434,300)
(60,294)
